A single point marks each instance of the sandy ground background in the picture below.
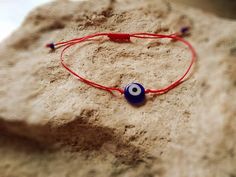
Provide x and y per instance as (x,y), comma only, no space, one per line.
(222,8)
(11,21)
(53,125)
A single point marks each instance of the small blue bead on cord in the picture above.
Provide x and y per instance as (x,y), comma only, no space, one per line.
(51,46)
(184,30)
(134,93)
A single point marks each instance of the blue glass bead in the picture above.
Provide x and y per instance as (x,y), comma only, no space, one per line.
(134,93)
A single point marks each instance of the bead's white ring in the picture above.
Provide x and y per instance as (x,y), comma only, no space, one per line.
(134,86)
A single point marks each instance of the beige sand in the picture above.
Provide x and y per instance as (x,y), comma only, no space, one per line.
(53,125)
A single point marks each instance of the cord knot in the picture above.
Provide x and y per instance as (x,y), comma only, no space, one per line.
(119,37)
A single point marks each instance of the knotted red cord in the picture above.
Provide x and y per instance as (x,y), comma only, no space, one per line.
(124,37)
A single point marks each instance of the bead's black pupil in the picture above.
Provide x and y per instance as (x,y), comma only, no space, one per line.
(134,89)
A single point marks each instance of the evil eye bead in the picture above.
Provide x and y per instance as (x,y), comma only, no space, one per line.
(134,93)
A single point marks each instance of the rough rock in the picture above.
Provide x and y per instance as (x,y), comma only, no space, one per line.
(53,125)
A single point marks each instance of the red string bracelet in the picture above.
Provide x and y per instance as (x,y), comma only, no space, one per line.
(134,92)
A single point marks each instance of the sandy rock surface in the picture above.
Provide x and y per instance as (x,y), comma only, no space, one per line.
(53,125)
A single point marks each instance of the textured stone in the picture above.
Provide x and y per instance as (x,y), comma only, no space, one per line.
(53,125)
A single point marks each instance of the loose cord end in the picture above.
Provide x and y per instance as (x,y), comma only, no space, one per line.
(185,29)
(51,46)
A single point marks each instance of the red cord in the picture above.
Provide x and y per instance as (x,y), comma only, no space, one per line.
(124,37)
